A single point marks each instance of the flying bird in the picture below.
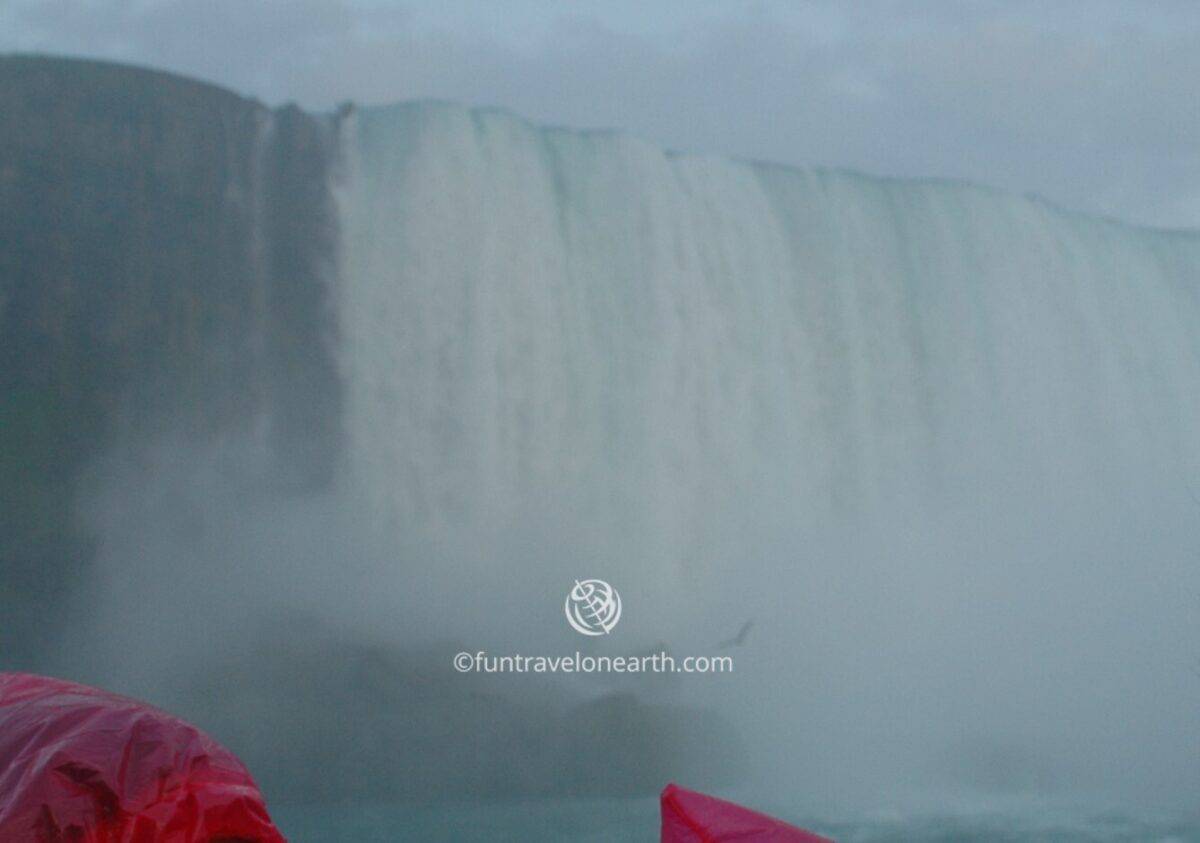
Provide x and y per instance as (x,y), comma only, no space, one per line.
(739,639)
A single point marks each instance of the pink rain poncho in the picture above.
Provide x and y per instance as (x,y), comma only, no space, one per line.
(79,765)
(691,817)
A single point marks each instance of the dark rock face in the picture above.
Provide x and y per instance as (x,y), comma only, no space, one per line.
(164,247)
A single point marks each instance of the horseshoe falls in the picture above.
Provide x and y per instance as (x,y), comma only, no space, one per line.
(531,313)
(936,440)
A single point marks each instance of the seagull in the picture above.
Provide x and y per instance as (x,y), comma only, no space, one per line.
(739,639)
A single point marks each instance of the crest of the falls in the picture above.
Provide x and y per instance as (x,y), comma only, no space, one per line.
(543,318)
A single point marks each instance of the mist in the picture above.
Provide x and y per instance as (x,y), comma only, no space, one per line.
(1001,642)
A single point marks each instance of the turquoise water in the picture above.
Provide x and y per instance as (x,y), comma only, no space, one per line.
(637,820)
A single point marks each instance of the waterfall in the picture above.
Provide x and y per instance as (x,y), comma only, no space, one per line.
(536,313)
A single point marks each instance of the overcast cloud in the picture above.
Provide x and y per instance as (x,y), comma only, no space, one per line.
(1091,104)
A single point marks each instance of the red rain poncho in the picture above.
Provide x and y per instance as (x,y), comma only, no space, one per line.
(690,817)
(78,765)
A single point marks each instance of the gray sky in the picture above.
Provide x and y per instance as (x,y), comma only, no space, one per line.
(1090,103)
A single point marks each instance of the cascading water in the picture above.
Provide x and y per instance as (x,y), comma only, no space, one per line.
(529,312)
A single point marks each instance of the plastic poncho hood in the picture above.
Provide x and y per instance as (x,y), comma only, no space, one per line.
(80,765)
